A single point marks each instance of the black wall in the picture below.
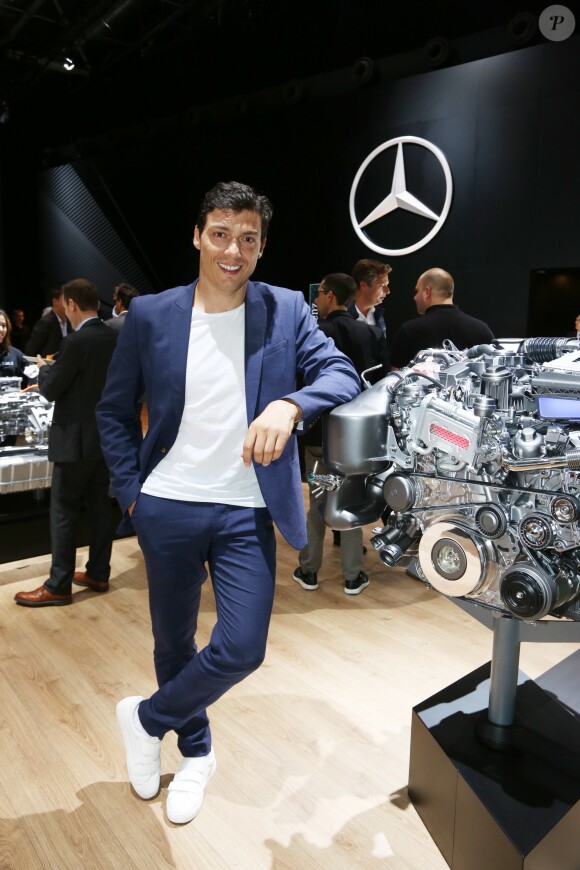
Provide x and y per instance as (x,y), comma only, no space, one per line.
(509,127)
(19,228)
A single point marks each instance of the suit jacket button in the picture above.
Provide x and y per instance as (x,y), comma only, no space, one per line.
(164,450)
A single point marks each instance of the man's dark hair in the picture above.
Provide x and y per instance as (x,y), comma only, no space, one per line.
(125,293)
(342,285)
(55,293)
(369,270)
(83,292)
(236,197)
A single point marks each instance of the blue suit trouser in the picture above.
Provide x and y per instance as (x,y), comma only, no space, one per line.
(178,540)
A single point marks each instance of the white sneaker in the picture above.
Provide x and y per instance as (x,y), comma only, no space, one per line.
(143,753)
(185,794)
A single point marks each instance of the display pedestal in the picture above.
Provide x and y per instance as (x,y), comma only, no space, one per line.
(499,810)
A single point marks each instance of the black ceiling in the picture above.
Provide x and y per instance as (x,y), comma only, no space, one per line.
(139,59)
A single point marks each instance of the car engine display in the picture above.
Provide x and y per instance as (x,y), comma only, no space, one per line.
(472,458)
(24,465)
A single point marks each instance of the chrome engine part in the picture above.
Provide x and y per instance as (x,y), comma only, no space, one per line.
(472,459)
(26,414)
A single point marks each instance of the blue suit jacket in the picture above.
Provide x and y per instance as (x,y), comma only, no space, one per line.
(281,340)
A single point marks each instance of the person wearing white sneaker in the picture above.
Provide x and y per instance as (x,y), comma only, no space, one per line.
(143,751)
(218,466)
(186,791)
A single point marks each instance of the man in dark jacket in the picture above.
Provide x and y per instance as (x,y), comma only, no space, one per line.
(364,345)
(123,294)
(49,331)
(372,286)
(80,476)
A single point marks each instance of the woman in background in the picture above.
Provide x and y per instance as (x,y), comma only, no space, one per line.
(12,360)
(12,364)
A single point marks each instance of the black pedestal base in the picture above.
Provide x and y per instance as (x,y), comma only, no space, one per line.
(498,810)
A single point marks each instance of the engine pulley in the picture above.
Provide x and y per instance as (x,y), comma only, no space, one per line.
(536,530)
(454,560)
(491,521)
(565,509)
(529,593)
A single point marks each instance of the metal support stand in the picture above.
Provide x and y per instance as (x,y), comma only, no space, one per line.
(495,729)
(519,807)
(505,659)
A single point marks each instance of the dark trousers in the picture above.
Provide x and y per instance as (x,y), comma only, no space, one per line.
(238,545)
(76,485)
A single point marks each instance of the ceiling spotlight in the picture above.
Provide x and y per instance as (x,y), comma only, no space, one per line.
(68,63)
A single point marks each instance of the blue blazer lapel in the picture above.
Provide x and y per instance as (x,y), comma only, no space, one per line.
(179,329)
(255,332)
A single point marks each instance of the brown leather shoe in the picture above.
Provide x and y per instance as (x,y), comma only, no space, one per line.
(81,578)
(41,597)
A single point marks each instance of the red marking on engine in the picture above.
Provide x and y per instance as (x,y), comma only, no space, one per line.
(446,435)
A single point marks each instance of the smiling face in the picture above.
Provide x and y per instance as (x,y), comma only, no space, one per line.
(229,246)
(3,328)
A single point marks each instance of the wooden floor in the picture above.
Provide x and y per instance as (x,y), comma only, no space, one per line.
(312,750)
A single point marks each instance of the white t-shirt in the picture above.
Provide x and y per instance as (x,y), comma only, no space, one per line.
(205,462)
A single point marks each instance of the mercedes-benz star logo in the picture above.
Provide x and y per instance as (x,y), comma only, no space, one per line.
(400,197)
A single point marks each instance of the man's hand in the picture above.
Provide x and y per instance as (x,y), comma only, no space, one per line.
(268,434)
(40,361)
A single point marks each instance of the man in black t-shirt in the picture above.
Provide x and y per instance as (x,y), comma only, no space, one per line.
(442,321)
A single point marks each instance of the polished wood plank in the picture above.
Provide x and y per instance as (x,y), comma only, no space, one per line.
(313,749)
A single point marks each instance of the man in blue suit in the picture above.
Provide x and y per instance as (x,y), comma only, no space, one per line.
(218,362)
